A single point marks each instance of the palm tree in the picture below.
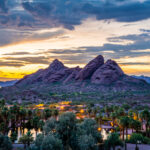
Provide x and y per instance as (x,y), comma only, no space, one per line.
(89,110)
(124,124)
(99,118)
(55,113)
(47,113)
(2,103)
(120,112)
(15,113)
(113,140)
(22,114)
(145,115)
(26,139)
(5,115)
(113,116)
(35,123)
(94,112)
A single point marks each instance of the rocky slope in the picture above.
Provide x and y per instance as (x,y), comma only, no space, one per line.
(96,76)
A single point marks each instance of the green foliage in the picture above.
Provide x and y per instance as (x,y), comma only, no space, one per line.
(50,142)
(26,139)
(136,137)
(2,103)
(39,140)
(72,134)
(126,106)
(13,136)
(87,142)
(5,143)
(113,140)
(89,127)
(50,126)
(47,113)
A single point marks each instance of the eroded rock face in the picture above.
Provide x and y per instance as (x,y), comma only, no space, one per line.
(90,68)
(73,75)
(107,73)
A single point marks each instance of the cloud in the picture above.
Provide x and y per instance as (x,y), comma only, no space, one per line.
(10,36)
(11,64)
(69,13)
(3,6)
(17,53)
(22,61)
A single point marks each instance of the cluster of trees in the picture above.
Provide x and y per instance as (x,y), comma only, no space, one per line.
(122,118)
(68,133)
(20,117)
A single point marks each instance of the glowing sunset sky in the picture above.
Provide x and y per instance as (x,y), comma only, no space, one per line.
(35,32)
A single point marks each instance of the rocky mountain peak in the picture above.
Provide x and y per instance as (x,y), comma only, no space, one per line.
(107,73)
(56,65)
(90,68)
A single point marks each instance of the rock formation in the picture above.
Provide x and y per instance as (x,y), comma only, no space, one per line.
(107,73)
(95,72)
(90,68)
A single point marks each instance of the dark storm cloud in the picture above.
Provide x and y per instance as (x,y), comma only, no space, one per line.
(68,13)
(3,6)
(129,12)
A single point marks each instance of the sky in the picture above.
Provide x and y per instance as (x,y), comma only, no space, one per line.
(35,32)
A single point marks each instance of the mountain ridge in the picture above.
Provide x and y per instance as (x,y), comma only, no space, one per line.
(98,76)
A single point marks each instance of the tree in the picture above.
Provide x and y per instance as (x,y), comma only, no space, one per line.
(13,136)
(55,112)
(100,117)
(39,140)
(135,138)
(72,133)
(113,116)
(112,141)
(145,114)
(89,110)
(135,124)
(5,116)
(22,115)
(35,123)
(2,103)
(47,113)
(50,142)
(124,124)
(50,126)
(26,139)
(87,142)
(89,127)
(5,143)
(66,128)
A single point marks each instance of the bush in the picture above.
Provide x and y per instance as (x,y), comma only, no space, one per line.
(5,143)
(138,137)
(146,140)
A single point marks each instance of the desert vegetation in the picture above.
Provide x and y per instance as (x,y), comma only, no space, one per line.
(73,125)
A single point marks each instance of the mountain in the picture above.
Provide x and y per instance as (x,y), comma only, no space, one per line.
(147,79)
(60,82)
(7,83)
